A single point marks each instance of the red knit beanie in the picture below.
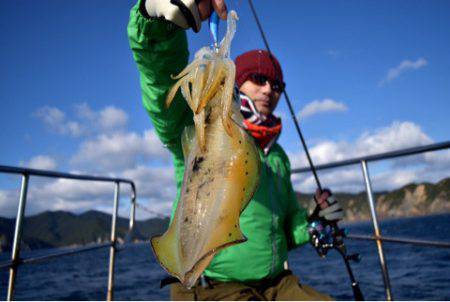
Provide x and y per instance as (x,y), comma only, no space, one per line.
(257,61)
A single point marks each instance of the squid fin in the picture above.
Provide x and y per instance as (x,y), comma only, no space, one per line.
(166,249)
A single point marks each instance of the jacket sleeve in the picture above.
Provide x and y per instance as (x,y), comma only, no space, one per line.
(160,50)
(297,217)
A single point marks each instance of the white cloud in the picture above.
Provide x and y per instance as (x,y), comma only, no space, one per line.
(440,159)
(107,119)
(157,183)
(70,195)
(395,179)
(9,200)
(118,151)
(350,179)
(326,105)
(403,67)
(107,149)
(57,122)
(156,189)
(84,122)
(43,162)
(112,118)
(399,135)
(342,180)
(84,112)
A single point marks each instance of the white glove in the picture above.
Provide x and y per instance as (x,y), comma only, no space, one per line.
(330,208)
(183,13)
(334,211)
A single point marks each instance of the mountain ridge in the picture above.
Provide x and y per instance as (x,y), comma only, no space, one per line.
(414,199)
(52,229)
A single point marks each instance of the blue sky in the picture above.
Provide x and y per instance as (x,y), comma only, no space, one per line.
(368,77)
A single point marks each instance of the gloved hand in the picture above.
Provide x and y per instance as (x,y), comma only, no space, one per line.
(330,208)
(185,13)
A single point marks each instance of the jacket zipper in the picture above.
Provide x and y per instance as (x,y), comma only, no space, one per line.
(271,201)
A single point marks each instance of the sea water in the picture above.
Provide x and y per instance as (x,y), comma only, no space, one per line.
(416,273)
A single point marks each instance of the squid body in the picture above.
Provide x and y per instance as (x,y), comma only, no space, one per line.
(222,166)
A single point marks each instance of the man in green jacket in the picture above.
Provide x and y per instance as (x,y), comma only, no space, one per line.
(273,221)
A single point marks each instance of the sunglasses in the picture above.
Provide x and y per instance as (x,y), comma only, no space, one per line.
(261,80)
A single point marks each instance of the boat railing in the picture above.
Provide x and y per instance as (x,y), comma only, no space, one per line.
(363,161)
(377,237)
(16,260)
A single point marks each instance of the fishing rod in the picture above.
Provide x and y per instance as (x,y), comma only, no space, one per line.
(338,234)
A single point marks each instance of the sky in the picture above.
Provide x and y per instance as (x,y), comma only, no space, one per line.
(364,77)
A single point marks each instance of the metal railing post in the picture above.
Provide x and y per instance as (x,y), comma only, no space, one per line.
(370,198)
(112,250)
(15,255)
(133,208)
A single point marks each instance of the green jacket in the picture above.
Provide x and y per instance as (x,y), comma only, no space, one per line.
(273,221)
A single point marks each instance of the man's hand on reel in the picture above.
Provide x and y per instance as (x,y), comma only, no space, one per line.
(330,209)
(323,230)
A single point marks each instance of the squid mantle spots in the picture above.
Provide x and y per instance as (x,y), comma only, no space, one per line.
(200,186)
(208,117)
(197,162)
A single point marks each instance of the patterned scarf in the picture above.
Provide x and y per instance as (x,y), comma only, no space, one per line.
(265,129)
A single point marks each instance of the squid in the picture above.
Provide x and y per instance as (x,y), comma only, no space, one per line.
(222,166)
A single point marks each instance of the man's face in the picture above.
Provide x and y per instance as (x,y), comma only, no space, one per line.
(262,94)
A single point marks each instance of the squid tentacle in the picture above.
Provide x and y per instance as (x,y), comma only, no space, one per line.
(171,94)
(227,97)
(197,85)
(225,44)
(186,90)
(199,121)
(189,68)
(211,90)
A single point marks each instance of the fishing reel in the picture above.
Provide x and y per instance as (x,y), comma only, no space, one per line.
(326,235)
(321,237)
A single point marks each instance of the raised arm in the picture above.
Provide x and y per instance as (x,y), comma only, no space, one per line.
(158,41)
(160,50)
